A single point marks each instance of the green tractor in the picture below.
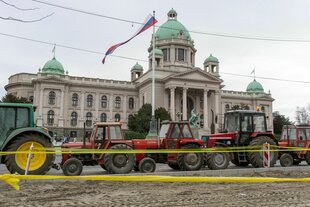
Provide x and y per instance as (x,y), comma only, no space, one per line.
(17,133)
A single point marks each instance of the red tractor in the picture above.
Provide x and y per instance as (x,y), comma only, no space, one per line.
(241,128)
(294,136)
(173,135)
(104,136)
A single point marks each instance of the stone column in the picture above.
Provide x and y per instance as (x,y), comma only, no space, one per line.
(172,104)
(205,109)
(217,112)
(61,115)
(82,110)
(166,99)
(111,107)
(40,117)
(184,110)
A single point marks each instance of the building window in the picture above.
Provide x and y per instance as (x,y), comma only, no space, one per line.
(180,54)
(89,100)
(89,117)
(131,103)
(50,117)
(117,102)
(117,117)
(30,99)
(73,134)
(226,107)
(73,118)
(104,102)
(75,99)
(192,57)
(166,53)
(103,117)
(51,98)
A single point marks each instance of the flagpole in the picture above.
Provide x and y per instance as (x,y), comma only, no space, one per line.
(153,127)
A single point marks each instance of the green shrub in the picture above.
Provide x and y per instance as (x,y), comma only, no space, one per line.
(133,135)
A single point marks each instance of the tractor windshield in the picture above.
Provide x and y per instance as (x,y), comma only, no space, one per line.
(259,123)
(163,130)
(231,122)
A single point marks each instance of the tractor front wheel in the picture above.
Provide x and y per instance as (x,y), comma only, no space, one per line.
(39,164)
(218,160)
(190,161)
(286,160)
(256,158)
(72,167)
(119,163)
(147,165)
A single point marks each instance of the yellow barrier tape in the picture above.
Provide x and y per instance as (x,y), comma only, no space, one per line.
(13,180)
(150,151)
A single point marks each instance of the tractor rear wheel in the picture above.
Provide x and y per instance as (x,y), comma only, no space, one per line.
(307,157)
(72,167)
(174,165)
(40,164)
(190,161)
(119,163)
(218,160)
(256,158)
(286,160)
(147,165)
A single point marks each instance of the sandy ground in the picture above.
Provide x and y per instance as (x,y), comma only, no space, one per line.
(117,194)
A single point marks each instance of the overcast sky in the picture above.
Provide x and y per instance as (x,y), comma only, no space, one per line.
(279,19)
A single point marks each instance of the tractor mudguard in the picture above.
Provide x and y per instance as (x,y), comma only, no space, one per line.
(16,132)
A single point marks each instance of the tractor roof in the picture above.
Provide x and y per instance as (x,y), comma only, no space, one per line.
(245,112)
(108,123)
(174,122)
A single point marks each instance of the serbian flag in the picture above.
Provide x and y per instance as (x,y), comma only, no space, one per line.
(150,21)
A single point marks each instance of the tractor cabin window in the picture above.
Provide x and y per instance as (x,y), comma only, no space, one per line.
(115,132)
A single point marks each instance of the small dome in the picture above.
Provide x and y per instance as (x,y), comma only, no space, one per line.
(137,66)
(211,59)
(158,52)
(255,87)
(53,67)
(172,28)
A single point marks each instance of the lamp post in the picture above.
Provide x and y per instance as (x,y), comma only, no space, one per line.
(153,123)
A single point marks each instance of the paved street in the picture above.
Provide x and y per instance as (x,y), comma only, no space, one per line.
(163,169)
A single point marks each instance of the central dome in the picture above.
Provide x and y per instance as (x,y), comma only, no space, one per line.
(255,87)
(172,28)
(53,67)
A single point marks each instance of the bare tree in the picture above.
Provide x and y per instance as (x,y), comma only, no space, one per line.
(23,9)
(303,115)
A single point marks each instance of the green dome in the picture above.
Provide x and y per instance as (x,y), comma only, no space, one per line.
(53,67)
(158,52)
(137,66)
(172,28)
(211,59)
(255,87)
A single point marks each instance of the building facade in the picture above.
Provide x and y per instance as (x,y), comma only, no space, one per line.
(66,103)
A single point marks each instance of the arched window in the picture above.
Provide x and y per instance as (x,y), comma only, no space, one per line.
(103,117)
(226,107)
(117,117)
(75,99)
(104,102)
(73,118)
(89,117)
(50,117)
(117,102)
(89,100)
(51,98)
(131,103)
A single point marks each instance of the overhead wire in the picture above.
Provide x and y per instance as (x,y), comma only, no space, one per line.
(136,59)
(191,31)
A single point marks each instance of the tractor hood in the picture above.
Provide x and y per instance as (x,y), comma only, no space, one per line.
(76,145)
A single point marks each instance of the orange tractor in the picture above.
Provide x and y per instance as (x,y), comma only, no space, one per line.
(294,136)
